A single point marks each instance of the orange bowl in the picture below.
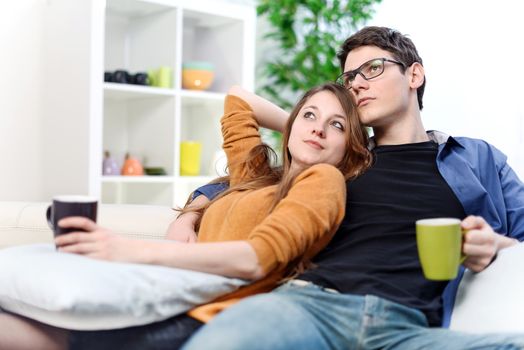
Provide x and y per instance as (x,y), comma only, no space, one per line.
(197,75)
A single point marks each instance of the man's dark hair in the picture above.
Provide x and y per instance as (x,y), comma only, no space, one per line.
(399,45)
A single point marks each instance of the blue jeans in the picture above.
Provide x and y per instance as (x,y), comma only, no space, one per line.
(309,317)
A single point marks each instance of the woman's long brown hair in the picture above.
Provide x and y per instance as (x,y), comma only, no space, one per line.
(259,161)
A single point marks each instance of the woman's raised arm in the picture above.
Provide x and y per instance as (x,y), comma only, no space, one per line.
(268,114)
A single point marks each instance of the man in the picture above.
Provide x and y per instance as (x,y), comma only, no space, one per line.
(367,289)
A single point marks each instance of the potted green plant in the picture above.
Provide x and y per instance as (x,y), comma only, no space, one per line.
(307,34)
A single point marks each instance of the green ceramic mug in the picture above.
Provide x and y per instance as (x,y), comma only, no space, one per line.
(439,243)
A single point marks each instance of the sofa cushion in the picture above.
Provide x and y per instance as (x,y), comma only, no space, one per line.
(492,300)
(76,292)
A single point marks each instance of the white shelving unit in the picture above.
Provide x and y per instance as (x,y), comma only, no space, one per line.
(150,122)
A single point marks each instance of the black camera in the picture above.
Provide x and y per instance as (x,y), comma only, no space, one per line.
(124,77)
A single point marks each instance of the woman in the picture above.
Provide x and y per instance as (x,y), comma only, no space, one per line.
(266,226)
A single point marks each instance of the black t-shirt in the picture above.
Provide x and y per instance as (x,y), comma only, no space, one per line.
(374,251)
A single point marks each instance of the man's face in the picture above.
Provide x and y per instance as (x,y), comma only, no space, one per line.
(382,100)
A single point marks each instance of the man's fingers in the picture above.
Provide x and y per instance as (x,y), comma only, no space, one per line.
(482,238)
(473,222)
(476,237)
(476,250)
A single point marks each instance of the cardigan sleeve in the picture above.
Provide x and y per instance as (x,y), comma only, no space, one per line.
(304,221)
(240,133)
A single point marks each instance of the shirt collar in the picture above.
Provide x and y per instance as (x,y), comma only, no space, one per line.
(436,136)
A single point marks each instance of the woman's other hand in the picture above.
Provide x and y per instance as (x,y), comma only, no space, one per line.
(183,228)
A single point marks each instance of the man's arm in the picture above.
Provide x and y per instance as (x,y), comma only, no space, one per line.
(513,192)
(481,243)
(210,191)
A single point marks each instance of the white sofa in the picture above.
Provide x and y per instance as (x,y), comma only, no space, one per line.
(488,301)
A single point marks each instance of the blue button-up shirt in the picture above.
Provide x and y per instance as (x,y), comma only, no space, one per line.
(486,186)
(483,182)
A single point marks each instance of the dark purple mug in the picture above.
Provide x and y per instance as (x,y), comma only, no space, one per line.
(65,206)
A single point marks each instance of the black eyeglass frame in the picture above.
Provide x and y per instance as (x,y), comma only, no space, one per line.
(354,72)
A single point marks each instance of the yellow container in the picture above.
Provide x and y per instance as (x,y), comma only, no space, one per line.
(190,154)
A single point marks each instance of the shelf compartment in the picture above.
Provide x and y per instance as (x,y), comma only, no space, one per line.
(142,127)
(200,122)
(135,35)
(215,39)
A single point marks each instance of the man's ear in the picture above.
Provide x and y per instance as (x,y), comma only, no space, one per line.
(416,75)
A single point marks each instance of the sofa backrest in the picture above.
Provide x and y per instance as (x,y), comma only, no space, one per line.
(25,222)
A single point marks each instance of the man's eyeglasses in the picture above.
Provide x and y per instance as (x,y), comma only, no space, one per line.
(369,70)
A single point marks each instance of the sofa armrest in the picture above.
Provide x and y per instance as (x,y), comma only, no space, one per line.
(25,222)
(492,300)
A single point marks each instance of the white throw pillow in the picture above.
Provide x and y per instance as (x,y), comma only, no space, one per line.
(75,292)
(492,300)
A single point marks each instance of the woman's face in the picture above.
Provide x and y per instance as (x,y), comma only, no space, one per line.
(318,134)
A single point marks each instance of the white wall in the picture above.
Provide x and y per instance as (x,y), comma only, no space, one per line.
(46,98)
(473,56)
(21,102)
(72,96)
